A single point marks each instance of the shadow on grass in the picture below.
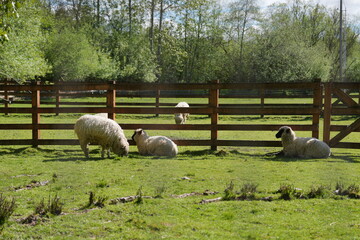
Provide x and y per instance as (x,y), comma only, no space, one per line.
(333,158)
(31,150)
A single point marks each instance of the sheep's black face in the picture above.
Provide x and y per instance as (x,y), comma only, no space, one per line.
(283,130)
(280,132)
(133,137)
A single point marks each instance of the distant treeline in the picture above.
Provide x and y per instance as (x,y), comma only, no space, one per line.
(175,41)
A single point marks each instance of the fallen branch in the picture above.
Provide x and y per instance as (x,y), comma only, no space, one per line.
(205,193)
(204,201)
(126,199)
(32,185)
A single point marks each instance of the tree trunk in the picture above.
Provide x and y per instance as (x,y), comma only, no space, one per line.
(151,31)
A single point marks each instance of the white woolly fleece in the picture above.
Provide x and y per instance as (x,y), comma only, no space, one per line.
(302,147)
(180,118)
(102,131)
(155,145)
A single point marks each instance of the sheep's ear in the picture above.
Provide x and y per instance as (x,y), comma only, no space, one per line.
(140,132)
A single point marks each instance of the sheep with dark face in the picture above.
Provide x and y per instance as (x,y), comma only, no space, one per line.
(180,118)
(95,129)
(154,145)
(301,147)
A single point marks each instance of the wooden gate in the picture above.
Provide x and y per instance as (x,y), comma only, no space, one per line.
(345,104)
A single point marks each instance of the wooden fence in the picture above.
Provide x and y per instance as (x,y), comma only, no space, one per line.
(37,94)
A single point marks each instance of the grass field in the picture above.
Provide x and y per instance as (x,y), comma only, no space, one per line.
(36,177)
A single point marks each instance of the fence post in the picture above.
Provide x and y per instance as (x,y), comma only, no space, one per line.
(57,98)
(35,102)
(262,99)
(214,104)
(157,101)
(327,112)
(6,98)
(111,98)
(317,104)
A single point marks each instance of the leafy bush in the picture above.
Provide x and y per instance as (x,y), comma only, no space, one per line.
(73,57)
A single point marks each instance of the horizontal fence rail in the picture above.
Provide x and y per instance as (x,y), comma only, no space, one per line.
(51,99)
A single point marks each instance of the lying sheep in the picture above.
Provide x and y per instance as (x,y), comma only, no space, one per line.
(180,118)
(301,147)
(155,145)
(93,129)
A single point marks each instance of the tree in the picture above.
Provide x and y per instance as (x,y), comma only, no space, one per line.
(22,57)
(74,58)
(8,11)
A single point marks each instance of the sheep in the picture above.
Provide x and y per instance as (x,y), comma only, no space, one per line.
(93,129)
(301,147)
(154,145)
(104,115)
(180,118)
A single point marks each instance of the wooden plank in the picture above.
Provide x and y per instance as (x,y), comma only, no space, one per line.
(111,101)
(214,104)
(152,86)
(338,128)
(35,115)
(317,103)
(344,97)
(335,140)
(268,111)
(16,142)
(345,111)
(349,145)
(327,112)
(185,127)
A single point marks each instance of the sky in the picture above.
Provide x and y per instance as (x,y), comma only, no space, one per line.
(352,7)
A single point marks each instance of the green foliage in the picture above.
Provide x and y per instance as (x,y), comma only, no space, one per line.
(23,58)
(73,57)
(134,60)
(8,11)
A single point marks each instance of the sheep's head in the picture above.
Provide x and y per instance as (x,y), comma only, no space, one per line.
(283,131)
(139,133)
(121,147)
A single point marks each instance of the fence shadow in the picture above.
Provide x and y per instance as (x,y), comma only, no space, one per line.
(333,158)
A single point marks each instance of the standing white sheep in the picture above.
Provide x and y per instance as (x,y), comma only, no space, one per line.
(301,147)
(154,145)
(93,129)
(180,118)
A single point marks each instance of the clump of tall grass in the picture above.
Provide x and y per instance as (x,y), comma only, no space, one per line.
(318,192)
(139,196)
(288,192)
(95,201)
(53,206)
(247,191)
(352,191)
(159,191)
(229,193)
(7,208)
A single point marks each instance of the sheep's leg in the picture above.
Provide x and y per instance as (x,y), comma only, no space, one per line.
(102,151)
(85,148)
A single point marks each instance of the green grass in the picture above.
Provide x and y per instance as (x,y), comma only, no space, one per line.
(71,179)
